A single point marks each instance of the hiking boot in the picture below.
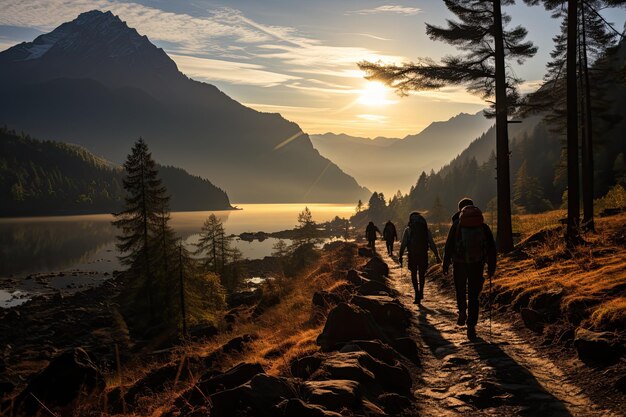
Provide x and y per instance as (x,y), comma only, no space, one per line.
(471,332)
(418,300)
(461,320)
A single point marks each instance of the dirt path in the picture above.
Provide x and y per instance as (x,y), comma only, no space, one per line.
(501,376)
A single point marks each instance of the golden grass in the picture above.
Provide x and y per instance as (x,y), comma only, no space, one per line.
(592,276)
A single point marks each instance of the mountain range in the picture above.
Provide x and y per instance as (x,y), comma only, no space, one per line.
(402,159)
(51,178)
(97,83)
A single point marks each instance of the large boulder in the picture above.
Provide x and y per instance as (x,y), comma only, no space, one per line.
(375,348)
(376,269)
(68,376)
(354,278)
(533,319)
(345,323)
(304,367)
(595,346)
(386,311)
(334,394)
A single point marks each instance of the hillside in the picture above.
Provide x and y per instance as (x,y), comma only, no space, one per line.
(46,178)
(388,165)
(114,85)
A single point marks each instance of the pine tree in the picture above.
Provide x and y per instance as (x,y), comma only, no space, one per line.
(486,46)
(438,214)
(210,244)
(145,200)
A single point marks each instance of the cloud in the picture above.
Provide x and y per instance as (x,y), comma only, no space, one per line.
(373,117)
(210,70)
(388,8)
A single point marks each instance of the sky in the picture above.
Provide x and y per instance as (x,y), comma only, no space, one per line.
(299,57)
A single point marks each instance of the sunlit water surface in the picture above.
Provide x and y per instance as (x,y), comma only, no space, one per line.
(72,252)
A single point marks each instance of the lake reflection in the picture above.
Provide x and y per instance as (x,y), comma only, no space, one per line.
(87,243)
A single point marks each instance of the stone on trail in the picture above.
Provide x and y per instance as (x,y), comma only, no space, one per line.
(386,311)
(376,269)
(393,403)
(333,394)
(68,376)
(374,288)
(533,319)
(345,323)
(375,348)
(595,346)
(408,348)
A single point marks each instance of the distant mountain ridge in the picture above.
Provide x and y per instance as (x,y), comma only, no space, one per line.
(98,83)
(389,166)
(49,178)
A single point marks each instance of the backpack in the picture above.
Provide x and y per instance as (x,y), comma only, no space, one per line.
(470,236)
(418,236)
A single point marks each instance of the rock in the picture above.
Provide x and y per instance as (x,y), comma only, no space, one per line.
(375,348)
(376,269)
(326,299)
(202,331)
(295,407)
(156,381)
(486,394)
(239,343)
(231,402)
(533,319)
(60,383)
(304,367)
(247,298)
(333,394)
(365,252)
(374,288)
(355,278)
(393,403)
(408,348)
(270,390)
(368,371)
(595,346)
(211,383)
(345,323)
(372,410)
(386,311)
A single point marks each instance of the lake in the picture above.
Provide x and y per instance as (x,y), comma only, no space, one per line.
(72,252)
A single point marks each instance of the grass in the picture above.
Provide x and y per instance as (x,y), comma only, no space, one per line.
(588,282)
(286,330)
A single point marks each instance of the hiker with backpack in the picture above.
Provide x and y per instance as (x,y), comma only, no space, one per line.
(370,235)
(470,245)
(417,239)
(390,235)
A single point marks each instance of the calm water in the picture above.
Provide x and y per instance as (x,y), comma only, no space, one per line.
(76,251)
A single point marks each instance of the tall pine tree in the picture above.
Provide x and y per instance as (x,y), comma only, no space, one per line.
(485,44)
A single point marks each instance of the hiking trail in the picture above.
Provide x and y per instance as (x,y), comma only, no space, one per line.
(504,376)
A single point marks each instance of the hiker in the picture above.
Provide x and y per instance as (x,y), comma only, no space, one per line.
(469,246)
(390,235)
(417,239)
(370,235)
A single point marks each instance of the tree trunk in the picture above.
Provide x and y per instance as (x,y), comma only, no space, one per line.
(573,194)
(587,154)
(182,289)
(505,231)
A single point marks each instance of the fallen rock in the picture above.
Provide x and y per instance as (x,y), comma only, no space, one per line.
(69,375)
(393,403)
(304,367)
(345,323)
(333,394)
(595,346)
(386,311)
(374,288)
(239,343)
(375,348)
(295,407)
(408,348)
(376,269)
(533,319)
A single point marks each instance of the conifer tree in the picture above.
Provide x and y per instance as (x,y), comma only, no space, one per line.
(486,46)
(210,244)
(142,216)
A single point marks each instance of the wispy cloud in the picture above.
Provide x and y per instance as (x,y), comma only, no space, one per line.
(211,70)
(388,8)
(373,117)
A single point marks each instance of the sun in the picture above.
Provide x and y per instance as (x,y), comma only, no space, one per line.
(374,94)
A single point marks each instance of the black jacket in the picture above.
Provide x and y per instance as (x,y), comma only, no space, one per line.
(451,246)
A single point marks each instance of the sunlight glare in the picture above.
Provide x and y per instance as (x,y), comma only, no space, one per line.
(374,94)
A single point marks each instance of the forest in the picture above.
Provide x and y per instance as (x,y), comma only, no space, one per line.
(53,178)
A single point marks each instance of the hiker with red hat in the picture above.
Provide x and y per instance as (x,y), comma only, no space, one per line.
(470,245)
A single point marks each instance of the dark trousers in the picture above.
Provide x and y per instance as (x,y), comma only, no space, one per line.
(468,281)
(418,268)
(389,246)
(372,243)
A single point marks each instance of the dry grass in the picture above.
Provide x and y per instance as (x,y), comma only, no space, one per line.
(590,277)
(286,330)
